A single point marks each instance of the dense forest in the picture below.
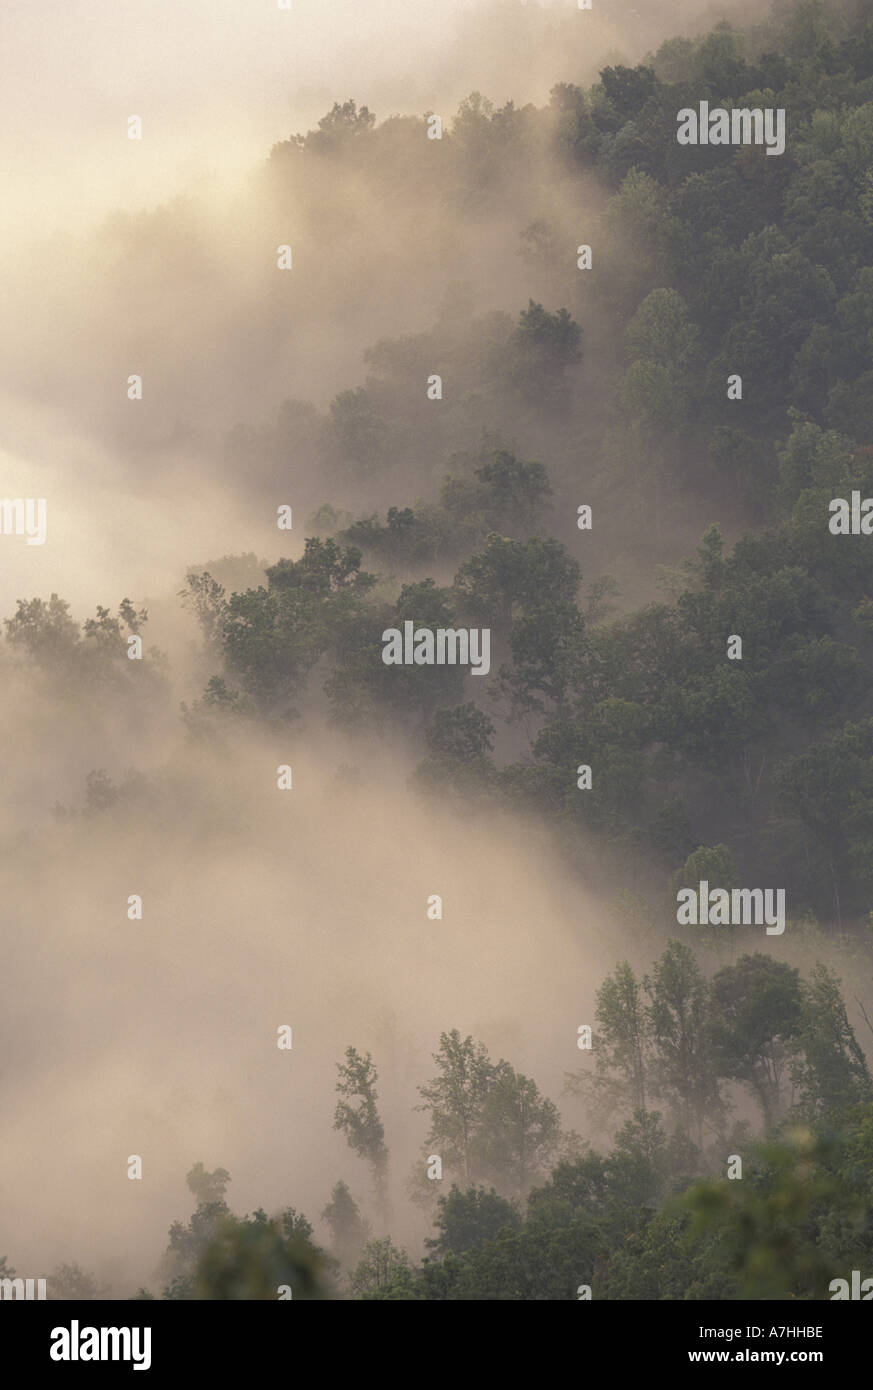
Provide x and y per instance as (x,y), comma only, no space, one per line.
(729,263)
(627,475)
(533,1213)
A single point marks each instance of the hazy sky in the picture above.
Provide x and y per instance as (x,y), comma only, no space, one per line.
(158,1037)
(216,82)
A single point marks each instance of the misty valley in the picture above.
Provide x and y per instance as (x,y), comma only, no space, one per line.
(437,668)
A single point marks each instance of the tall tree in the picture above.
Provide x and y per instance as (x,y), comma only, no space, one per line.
(683,1068)
(621,1041)
(465,1220)
(832,1073)
(349,1232)
(381,1266)
(357,1115)
(455,1101)
(519,1130)
(758,1016)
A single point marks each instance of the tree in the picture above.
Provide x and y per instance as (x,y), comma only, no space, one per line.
(44,630)
(458,761)
(455,1101)
(504,491)
(758,1015)
(627,90)
(380,1267)
(638,1168)
(349,1232)
(188,1243)
(612,735)
(342,124)
(465,1220)
(832,1074)
(712,864)
(325,569)
(208,1187)
(71,1282)
(362,689)
(764,1224)
(463,733)
(664,346)
(257,1259)
(208,600)
(621,1043)
(828,788)
(548,652)
(682,1067)
(538,354)
(519,1130)
(357,1116)
(360,431)
(222,1256)
(274,636)
(508,574)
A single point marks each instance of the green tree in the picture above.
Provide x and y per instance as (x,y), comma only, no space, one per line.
(357,1116)
(621,1045)
(712,864)
(208,600)
(361,433)
(274,636)
(208,1187)
(763,1224)
(455,1101)
(828,788)
(664,346)
(757,1019)
(349,1231)
(342,124)
(548,654)
(832,1073)
(540,350)
(465,1220)
(682,1067)
(509,574)
(458,743)
(519,1130)
(259,1259)
(381,1266)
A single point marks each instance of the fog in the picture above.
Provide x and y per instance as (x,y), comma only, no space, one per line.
(158,257)
(260,908)
(217,82)
(158,1037)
